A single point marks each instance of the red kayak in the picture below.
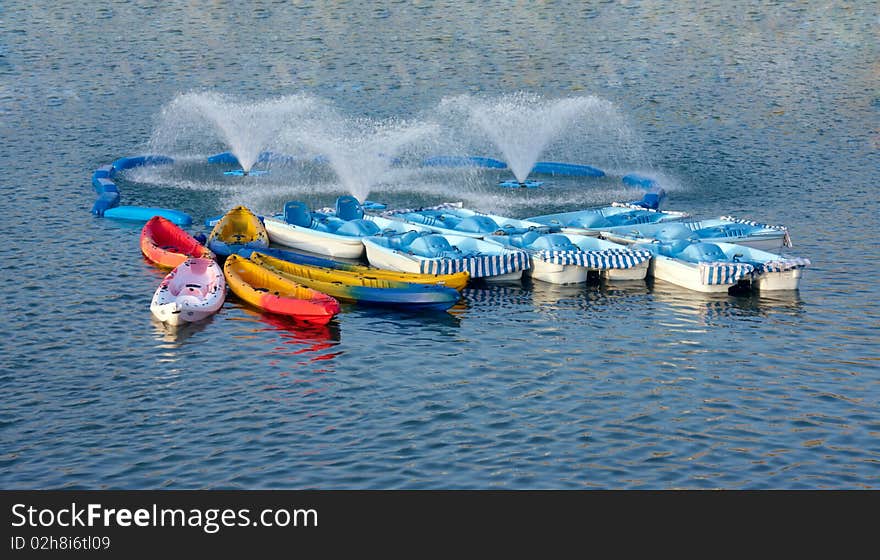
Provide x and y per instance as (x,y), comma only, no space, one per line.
(164,243)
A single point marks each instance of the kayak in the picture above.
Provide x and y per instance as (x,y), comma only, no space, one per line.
(269,291)
(457,280)
(166,244)
(362,288)
(238,229)
(193,291)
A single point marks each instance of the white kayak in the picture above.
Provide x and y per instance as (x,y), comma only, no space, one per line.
(196,289)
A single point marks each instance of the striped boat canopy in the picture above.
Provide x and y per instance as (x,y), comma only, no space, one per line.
(597,260)
(717,273)
(786,241)
(781,265)
(478,267)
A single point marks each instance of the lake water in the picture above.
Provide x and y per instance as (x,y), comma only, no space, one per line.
(771,112)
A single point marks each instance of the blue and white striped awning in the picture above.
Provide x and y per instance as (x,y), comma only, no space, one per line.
(718,273)
(598,260)
(786,240)
(782,265)
(478,267)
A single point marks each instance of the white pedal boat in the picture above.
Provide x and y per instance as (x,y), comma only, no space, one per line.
(333,233)
(194,290)
(716,267)
(592,220)
(725,230)
(451,219)
(434,253)
(560,258)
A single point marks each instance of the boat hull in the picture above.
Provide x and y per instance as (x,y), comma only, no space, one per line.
(321,243)
(390,259)
(785,281)
(684,274)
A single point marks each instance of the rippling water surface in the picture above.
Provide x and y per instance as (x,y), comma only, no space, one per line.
(766,111)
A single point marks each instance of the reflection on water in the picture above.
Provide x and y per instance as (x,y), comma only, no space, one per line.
(711,307)
(174,336)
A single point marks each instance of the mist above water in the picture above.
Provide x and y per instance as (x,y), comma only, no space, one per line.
(334,152)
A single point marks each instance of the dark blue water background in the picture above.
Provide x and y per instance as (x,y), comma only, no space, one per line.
(761,110)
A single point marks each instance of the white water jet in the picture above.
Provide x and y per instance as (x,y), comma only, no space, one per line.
(360,151)
(204,120)
(522,126)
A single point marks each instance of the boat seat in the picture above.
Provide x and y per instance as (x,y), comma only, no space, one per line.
(348,208)
(553,242)
(630,218)
(448,221)
(727,230)
(589,220)
(702,252)
(673,232)
(402,241)
(523,240)
(328,224)
(358,228)
(477,224)
(297,213)
(430,246)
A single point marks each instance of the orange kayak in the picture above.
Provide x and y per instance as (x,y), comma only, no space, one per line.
(164,243)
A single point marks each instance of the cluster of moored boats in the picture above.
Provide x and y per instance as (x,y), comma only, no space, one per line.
(422,258)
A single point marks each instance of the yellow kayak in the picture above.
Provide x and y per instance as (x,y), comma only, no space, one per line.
(457,281)
(362,288)
(238,229)
(271,292)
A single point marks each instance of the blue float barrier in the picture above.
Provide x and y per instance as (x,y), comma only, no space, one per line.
(230,159)
(463,161)
(122,164)
(144,213)
(252,172)
(103,185)
(514,184)
(106,202)
(636,180)
(567,169)
(225,157)
(104,172)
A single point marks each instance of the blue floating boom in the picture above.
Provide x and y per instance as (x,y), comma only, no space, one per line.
(122,164)
(106,201)
(514,184)
(229,158)
(225,157)
(103,185)
(567,169)
(104,172)
(107,204)
(241,173)
(463,161)
(144,213)
(636,180)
